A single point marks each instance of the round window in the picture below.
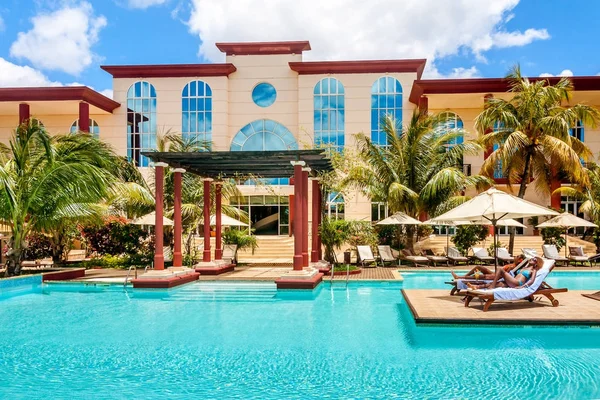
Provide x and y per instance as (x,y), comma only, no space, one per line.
(264,94)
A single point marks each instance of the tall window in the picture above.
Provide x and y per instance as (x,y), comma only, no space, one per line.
(379,211)
(386,99)
(141,121)
(196,114)
(335,205)
(578,131)
(329,113)
(94,128)
(452,122)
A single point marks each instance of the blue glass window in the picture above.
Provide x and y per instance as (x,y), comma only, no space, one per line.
(386,99)
(329,113)
(451,122)
(265,135)
(335,205)
(578,131)
(264,94)
(141,121)
(94,128)
(196,113)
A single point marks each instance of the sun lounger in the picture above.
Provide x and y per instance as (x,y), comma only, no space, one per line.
(366,257)
(529,252)
(230,253)
(75,256)
(538,287)
(461,284)
(434,258)
(40,263)
(593,296)
(455,257)
(576,255)
(386,255)
(480,254)
(551,253)
(504,256)
(416,260)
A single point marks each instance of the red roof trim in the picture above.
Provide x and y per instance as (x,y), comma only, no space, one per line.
(61,93)
(358,67)
(263,48)
(168,70)
(488,85)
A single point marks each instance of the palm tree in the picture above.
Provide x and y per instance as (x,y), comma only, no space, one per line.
(420,171)
(45,180)
(532,137)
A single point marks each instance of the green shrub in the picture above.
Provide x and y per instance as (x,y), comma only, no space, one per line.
(334,233)
(116,237)
(118,261)
(468,235)
(241,238)
(39,246)
(390,235)
(553,236)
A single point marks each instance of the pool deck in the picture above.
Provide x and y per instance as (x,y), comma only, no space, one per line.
(436,306)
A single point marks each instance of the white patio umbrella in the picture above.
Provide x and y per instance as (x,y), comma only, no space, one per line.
(495,205)
(567,220)
(226,221)
(399,218)
(435,221)
(150,219)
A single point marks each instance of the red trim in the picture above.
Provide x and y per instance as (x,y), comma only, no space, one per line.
(64,275)
(423,105)
(359,67)
(263,48)
(142,283)
(24,113)
(159,258)
(215,270)
(206,211)
(488,85)
(61,93)
(169,70)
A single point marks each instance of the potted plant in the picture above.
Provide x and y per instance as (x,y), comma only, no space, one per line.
(241,238)
(334,233)
(534,221)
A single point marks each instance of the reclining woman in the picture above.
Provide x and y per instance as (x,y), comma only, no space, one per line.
(524,276)
(483,273)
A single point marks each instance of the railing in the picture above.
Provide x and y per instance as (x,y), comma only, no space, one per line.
(128,272)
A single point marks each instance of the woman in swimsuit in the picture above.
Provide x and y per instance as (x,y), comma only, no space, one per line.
(483,273)
(524,276)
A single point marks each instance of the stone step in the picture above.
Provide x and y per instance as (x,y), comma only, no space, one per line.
(225,292)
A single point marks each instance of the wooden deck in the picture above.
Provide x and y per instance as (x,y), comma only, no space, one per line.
(438,307)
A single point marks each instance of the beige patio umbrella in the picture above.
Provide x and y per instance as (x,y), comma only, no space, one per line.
(150,219)
(495,205)
(226,221)
(399,218)
(435,221)
(567,220)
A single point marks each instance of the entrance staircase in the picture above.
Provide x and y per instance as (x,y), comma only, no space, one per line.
(272,251)
(225,291)
(438,242)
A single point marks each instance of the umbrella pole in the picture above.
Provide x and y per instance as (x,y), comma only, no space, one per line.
(566,239)
(494,246)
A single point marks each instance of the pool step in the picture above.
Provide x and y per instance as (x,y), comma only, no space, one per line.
(202,291)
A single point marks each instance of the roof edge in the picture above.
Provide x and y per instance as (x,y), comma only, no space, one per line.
(263,48)
(169,70)
(59,93)
(359,66)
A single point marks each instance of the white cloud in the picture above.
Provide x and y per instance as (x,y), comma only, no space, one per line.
(61,40)
(12,75)
(355,29)
(145,3)
(107,92)
(564,72)
(431,72)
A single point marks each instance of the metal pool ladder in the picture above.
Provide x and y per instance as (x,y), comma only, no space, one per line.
(347,273)
(128,272)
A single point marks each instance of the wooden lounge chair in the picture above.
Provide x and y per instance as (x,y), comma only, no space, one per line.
(576,255)
(40,263)
(538,287)
(461,284)
(434,258)
(416,260)
(366,257)
(386,255)
(455,257)
(504,256)
(230,253)
(593,296)
(75,256)
(551,253)
(480,254)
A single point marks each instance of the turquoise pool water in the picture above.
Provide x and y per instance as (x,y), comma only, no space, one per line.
(204,341)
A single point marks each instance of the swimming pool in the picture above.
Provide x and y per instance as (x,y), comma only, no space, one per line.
(251,341)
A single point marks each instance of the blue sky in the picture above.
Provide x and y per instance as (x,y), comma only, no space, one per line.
(62,42)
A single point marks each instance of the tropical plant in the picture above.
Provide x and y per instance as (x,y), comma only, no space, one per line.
(241,238)
(553,236)
(531,134)
(38,246)
(46,180)
(334,233)
(115,237)
(361,233)
(420,171)
(467,236)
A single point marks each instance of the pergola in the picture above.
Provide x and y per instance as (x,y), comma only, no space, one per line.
(220,165)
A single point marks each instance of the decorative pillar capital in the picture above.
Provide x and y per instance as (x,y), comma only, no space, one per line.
(160,164)
(182,170)
(207,179)
(306,169)
(296,163)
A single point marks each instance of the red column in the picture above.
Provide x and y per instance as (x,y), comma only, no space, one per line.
(423,105)
(305,172)
(218,249)
(298,214)
(84,117)
(291,221)
(554,198)
(314,252)
(177,229)
(23,113)
(159,174)
(206,255)
(320,220)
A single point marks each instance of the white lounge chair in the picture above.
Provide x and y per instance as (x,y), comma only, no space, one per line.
(416,260)
(386,255)
(576,255)
(366,257)
(503,255)
(538,287)
(455,257)
(230,253)
(529,252)
(551,252)
(480,254)
(434,258)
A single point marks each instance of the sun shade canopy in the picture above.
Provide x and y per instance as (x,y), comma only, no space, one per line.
(566,220)
(231,164)
(399,218)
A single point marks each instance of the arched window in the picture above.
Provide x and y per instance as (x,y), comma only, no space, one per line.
(329,113)
(94,128)
(451,123)
(196,114)
(335,205)
(265,135)
(141,121)
(386,99)
(578,131)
